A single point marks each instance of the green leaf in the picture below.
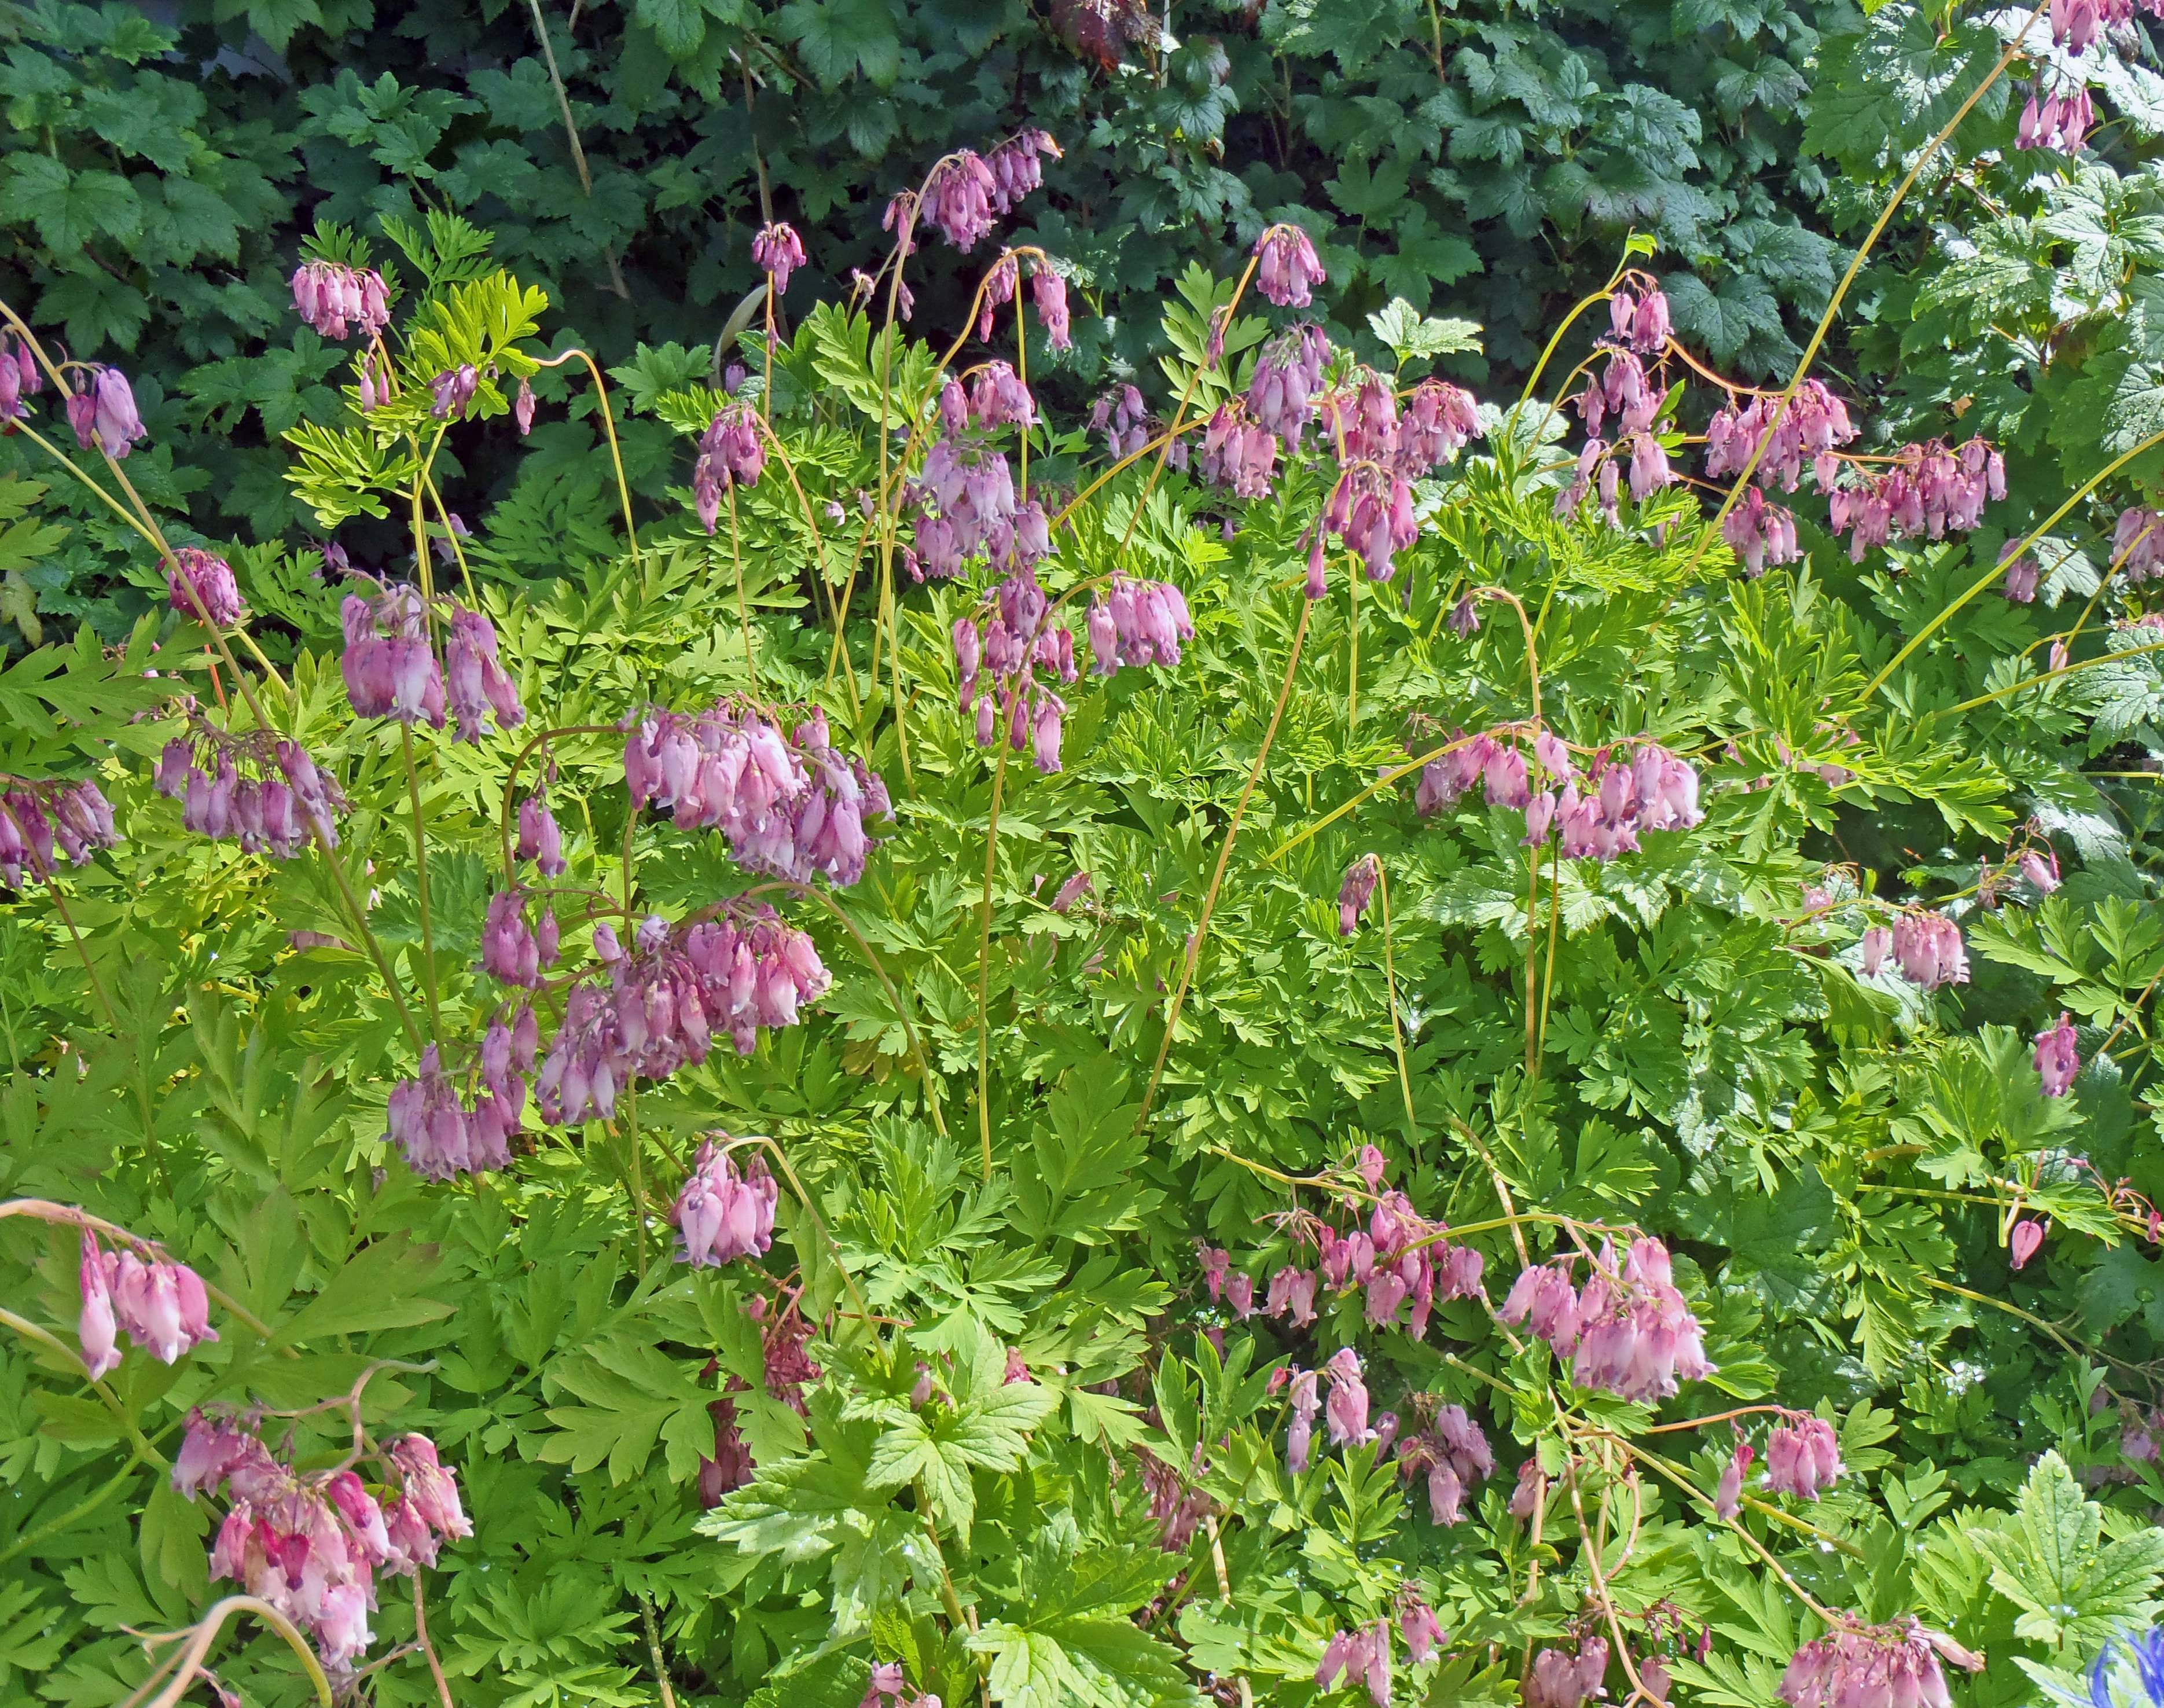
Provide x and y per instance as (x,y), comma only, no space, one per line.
(2049,1558)
(836,38)
(70,209)
(1411,337)
(379,1287)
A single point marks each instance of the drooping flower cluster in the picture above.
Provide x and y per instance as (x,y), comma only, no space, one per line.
(1016,169)
(794,808)
(1137,623)
(1803,1456)
(2062,122)
(1238,452)
(1361,1656)
(1597,814)
(1346,1409)
(1454,1452)
(540,838)
(722,1215)
(512,950)
(1628,1330)
(20,375)
(310,1544)
(158,1304)
(2058,1056)
(1123,419)
(260,790)
(331,296)
(1562,1677)
(1287,266)
(1929,489)
(392,671)
(435,1131)
(1175,1503)
(1641,322)
(37,815)
(1762,533)
(1814,423)
(958,199)
(1013,646)
(1888,1666)
(666,999)
(730,454)
(965,493)
(101,412)
(778,252)
(202,584)
(1624,390)
(1927,950)
(2075,24)
(1288,379)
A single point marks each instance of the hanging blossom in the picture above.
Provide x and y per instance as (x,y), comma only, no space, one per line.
(1399,1257)
(392,671)
(1814,423)
(1016,169)
(1563,1678)
(889,1688)
(310,1544)
(1760,533)
(1417,1624)
(1137,623)
(1124,419)
(1238,452)
(1454,1452)
(2040,867)
(2138,542)
(1288,379)
(778,252)
(511,948)
(158,1304)
(2060,121)
(958,199)
(1287,266)
(199,584)
(2075,24)
(1048,291)
(1013,646)
(451,392)
(1355,893)
(372,378)
(1803,1456)
(1597,814)
(329,295)
(794,807)
(1382,452)
(1359,1655)
(722,1215)
(1728,1494)
(665,999)
(101,412)
(1927,949)
(259,788)
(2058,1056)
(964,495)
(1930,488)
(20,375)
(1175,1503)
(441,1133)
(1628,1330)
(2021,574)
(540,838)
(1641,322)
(37,817)
(1887,1666)
(1623,389)
(730,454)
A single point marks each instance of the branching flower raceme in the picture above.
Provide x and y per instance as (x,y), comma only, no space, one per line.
(101,412)
(334,298)
(796,808)
(1888,1666)
(778,252)
(1453,1451)
(722,1215)
(200,584)
(258,789)
(160,1304)
(442,1133)
(1287,267)
(665,999)
(1803,1456)
(1628,1330)
(1596,814)
(38,817)
(1928,949)
(311,1543)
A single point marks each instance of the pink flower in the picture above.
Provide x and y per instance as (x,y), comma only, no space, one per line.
(2024,1240)
(1928,948)
(1292,1290)
(720,1215)
(958,199)
(1346,1408)
(539,837)
(1356,892)
(1728,1498)
(2058,1060)
(2020,575)
(1560,1679)
(96,1329)
(1875,943)
(453,390)
(1048,291)
(2041,870)
(200,585)
(1420,1627)
(1300,1436)
(1287,266)
(1803,1456)
(778,252)
(476,683)
(328,295)
(1874,1668)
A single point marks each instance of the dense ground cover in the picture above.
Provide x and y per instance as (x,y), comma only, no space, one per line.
(1312,1026)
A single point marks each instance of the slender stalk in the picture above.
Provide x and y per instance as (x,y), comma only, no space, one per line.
(2063,670)
(53,1343)
(206,1633)
(1224,856)
(428,1649)
(76,1514)
(743,610)
(616,452)
(421,878)
(654,1650)
(1397,1033)
(985,954)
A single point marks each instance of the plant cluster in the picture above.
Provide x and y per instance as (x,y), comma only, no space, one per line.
(1590,1138)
